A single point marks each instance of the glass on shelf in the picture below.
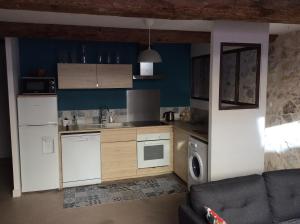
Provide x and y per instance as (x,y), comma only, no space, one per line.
(83,56)
(117,58)
(63,56)
(108,58)
(100,58)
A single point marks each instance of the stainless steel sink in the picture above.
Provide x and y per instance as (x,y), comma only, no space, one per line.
(117,125)
(108,125)
(93,126)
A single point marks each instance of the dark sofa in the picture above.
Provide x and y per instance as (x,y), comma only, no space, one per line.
(273,197)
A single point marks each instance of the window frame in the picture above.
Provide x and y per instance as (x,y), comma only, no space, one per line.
(192,78)
(236,104)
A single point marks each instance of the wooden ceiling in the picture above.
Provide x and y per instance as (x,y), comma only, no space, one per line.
(279,11)
(89,33)
(105,34)
(284,11)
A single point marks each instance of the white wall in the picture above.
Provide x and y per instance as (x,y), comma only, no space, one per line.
(5,151)
(236,136)
(13,71)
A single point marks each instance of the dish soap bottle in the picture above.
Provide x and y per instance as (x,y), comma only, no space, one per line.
(110,118)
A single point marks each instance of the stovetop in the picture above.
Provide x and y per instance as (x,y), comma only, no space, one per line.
(147,123)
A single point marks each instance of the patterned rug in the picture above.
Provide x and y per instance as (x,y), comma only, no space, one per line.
(130,190)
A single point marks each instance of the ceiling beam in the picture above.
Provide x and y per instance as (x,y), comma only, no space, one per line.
(105,34)
(89,33)
(281,11)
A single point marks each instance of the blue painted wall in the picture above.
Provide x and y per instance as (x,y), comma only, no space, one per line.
(175,68)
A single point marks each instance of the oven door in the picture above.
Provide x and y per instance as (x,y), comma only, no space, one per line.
(153,153)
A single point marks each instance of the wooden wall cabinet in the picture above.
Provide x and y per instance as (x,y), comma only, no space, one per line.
(114,75)
(94,76)
(181,139)
(77,76)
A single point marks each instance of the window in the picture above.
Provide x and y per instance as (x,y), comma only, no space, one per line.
(200,77)
(239,76)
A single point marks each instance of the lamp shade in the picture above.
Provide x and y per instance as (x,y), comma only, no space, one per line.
(149,55)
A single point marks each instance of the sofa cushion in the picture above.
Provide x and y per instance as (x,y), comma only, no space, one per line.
(241,200)
(189,216)
(292,221)
(284,194)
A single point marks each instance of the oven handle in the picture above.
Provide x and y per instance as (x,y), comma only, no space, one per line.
(155,142)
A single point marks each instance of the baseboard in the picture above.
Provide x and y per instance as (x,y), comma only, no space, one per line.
(16,193)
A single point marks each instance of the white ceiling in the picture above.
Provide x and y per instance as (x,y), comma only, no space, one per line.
(27,16)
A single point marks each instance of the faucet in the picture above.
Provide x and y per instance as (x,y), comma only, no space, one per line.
(102,114)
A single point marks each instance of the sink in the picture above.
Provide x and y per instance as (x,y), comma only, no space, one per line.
(94,126)
(117,125)
(107,125)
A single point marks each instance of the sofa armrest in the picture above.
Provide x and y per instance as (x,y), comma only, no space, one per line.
(188,216)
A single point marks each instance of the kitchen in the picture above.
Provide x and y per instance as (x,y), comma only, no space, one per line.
(104,127)
(87,138)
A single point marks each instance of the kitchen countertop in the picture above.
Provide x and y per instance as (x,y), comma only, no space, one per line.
(86,128)
(97,128)
(197,130)
(194,129)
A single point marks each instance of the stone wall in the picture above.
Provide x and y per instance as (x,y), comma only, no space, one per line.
(283,104)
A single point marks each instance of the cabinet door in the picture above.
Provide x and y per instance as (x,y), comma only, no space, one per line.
(77,76)
(118,135)
(118,160)
(181,139)
(114,75)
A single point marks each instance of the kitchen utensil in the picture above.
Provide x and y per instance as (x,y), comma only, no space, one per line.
(169,116)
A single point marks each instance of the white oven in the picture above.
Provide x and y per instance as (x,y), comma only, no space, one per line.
(153,150)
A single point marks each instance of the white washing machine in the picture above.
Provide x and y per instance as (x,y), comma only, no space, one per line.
(197,161)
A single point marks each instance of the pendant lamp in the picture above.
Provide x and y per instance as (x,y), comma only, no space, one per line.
(149,55)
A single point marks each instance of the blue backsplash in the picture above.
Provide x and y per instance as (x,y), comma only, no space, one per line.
(175,69)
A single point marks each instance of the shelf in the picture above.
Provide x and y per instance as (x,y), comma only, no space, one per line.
(154,77)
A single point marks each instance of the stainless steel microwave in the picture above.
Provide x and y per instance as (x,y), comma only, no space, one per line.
(38,85)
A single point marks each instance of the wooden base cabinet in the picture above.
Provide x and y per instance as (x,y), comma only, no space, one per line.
(119,153)
(181,139)
(118,160)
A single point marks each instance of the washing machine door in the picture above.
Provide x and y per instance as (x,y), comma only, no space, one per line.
(196,167)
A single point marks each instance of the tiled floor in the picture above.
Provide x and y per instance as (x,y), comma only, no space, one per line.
(47,207)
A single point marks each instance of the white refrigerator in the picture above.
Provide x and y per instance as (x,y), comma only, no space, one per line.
(38,135)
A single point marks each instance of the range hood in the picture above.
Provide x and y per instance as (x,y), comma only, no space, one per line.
(146,72)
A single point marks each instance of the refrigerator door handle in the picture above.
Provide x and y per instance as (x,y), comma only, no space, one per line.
(52,123)
(48,145)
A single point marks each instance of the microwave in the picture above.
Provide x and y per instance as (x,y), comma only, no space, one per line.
(38,85)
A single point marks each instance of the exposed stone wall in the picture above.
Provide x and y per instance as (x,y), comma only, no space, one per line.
(283,103)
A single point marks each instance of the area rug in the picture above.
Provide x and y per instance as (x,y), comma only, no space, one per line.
(130,190)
